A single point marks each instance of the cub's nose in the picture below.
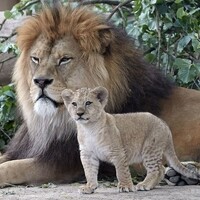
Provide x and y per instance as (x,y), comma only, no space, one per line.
(42,82)
(80,114)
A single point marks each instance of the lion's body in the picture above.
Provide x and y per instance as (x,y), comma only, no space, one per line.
(64,48)
(120,139)
(181,112)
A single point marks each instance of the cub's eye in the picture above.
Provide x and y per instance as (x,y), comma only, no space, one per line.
(64,60)
(87,103)
(35,59)
(74,103)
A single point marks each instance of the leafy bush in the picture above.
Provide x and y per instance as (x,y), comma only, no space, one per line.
(8,118)
(170,33)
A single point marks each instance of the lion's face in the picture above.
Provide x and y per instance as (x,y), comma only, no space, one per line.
(53,68)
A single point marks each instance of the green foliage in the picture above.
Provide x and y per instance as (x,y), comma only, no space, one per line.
(8,118)
(169,32)
(24,7)
(9,47)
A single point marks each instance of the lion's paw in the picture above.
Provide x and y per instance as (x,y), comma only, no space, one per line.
(85,189)
(172,177)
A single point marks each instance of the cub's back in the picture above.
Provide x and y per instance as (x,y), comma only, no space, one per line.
(139,124)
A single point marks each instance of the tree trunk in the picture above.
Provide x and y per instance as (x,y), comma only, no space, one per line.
(7,4)
(6,68)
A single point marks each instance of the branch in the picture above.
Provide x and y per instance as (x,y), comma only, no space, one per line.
(150,50)
(109,2)
(1,25)
(29,4)
(5,38)
(169,54)
(118,7)
(159,37)
(7,59)
(191,57)
(1,129)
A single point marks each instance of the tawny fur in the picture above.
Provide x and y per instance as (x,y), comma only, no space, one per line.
(120,139)
(78,48)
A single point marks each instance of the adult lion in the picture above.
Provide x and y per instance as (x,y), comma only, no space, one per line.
(71,48)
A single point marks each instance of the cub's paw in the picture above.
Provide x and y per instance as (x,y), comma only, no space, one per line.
(143,187)
(85,189)
(172,177)
(126,188)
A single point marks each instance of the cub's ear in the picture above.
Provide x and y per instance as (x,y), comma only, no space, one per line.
(67,96)
(101,94)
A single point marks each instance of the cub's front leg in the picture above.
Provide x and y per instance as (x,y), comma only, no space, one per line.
(125,183)
(91,166)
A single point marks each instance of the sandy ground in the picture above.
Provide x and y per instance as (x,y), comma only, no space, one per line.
(105,191)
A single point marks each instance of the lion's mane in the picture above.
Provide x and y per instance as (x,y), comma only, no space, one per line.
(133,84)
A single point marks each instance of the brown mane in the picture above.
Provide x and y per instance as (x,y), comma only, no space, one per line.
(55,23)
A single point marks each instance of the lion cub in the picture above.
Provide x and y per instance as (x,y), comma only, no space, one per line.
(120,139)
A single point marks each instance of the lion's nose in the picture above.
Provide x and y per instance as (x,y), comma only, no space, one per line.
(42,82)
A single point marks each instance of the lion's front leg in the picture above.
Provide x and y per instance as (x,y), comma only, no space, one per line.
(23,171)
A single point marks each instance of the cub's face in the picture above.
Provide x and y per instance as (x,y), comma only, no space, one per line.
(54,67)
(85,105)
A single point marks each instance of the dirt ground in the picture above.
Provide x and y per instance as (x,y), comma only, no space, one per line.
(105,191)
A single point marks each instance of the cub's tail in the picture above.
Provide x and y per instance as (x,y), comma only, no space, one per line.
(173,162)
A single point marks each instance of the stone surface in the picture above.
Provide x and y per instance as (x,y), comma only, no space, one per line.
(63,192)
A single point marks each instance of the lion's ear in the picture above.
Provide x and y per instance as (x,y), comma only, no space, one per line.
(95,39)
(101,94)
(105,37)
(67,96)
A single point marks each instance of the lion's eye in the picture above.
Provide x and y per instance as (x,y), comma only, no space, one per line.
(87,103)
(35,59)
(64,60)
(74,103)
